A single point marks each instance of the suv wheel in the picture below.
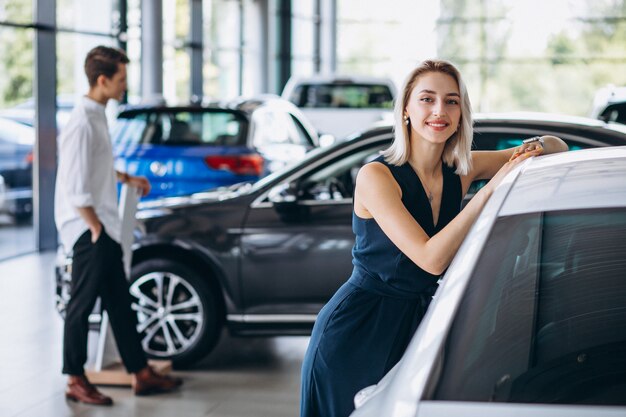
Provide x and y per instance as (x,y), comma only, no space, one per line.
(178,314)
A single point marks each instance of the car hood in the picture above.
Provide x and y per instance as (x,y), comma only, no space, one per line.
(162,206)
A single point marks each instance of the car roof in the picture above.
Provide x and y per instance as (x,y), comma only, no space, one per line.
(591,178)
(246,105)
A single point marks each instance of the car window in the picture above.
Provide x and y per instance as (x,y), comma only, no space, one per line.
(501,141)
(336,179)
(129,130)
(180,129)
(614,113)
(353,96)
(544,317)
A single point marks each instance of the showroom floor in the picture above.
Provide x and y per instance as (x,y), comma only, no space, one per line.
(243,377)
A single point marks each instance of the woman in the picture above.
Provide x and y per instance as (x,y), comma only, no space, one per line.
(408,228)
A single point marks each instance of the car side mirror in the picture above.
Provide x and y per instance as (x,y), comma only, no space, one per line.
(284,198)
(283,194)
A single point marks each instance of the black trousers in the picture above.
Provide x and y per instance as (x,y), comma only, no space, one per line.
(98,271)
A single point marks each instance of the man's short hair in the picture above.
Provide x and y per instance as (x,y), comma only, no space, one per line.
(103,60)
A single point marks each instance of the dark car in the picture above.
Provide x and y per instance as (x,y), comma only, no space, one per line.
(16,163)
(263,258)
(186,149)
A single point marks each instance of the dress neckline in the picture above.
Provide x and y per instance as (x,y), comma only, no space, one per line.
(425,194)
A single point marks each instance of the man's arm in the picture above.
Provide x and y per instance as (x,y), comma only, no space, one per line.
(141,183)
(93,222)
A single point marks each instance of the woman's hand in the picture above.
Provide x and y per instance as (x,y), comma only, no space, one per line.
(527,147)
(526,151)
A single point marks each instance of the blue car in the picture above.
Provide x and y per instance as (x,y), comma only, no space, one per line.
(189,149)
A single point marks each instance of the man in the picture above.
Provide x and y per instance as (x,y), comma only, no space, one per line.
(87,219)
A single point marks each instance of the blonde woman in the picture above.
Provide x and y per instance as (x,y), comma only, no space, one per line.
(408,227)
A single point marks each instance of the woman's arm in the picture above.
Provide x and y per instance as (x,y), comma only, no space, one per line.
(377,195)
(487,163)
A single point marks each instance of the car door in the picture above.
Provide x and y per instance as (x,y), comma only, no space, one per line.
(543,321)
(297,240)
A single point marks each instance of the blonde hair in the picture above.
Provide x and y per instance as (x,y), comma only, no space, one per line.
(457,150)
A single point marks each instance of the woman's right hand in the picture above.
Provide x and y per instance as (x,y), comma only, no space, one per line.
(508,167)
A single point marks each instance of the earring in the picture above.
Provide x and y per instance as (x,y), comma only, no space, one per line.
(406,120)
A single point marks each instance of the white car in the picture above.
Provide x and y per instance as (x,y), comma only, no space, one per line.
(341,105)
(530,318)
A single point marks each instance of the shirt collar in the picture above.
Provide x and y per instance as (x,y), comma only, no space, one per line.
(91,104)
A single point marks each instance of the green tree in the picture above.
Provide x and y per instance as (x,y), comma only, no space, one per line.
(16,54)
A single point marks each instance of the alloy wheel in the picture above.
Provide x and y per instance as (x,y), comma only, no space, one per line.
(169,312)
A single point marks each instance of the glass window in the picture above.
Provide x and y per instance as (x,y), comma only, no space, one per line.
(17,136)
(128,131)
(176,59)
(500,141)
(544,316)
(355,96)
(17,11)
(614,113)
(98,16)
(222,48)
(180,129)
(336,180)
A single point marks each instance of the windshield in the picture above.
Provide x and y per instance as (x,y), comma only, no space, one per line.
(351,96)
(176,128)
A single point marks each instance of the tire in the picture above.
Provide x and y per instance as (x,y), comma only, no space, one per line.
(188,333)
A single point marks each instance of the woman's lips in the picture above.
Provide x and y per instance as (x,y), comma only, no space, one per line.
(437,125)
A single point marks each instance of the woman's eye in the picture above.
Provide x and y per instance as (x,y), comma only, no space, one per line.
(426,99)
(453,102)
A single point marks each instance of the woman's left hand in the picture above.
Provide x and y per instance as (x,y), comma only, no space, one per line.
(534,147)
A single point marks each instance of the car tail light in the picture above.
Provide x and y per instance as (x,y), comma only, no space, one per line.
(251,164)
(29,158)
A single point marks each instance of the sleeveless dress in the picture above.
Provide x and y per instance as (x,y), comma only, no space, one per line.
(362,332)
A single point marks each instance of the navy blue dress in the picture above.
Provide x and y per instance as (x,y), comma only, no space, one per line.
(366,326)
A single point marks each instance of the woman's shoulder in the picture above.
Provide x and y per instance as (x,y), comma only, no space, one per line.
(375,170)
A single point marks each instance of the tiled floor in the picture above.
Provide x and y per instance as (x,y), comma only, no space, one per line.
(243,377)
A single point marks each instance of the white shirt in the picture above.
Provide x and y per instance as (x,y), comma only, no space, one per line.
(86,175)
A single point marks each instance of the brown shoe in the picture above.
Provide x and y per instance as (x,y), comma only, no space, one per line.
(147,381)
(80,389)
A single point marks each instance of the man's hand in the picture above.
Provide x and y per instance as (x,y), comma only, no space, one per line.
(96,231)
(141,183)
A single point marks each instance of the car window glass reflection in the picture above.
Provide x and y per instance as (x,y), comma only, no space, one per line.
(544,318)
(335,181)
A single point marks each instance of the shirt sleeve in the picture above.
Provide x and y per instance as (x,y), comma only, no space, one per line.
(75,158)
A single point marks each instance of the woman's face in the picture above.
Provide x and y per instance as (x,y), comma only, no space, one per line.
(434,107)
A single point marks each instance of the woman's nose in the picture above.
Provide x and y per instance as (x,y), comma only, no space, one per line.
(438,108)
